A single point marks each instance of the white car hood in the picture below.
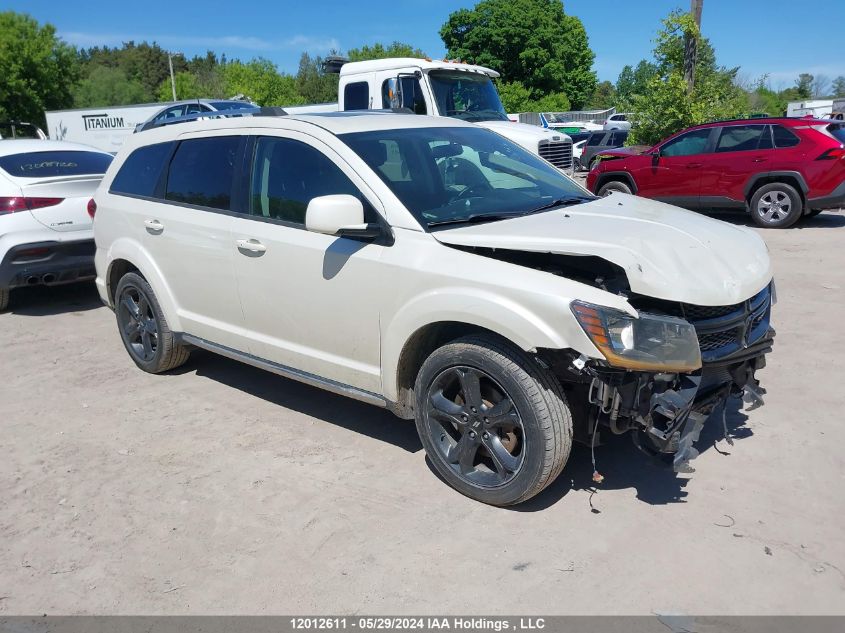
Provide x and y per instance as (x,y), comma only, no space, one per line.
(666,252)
(526,135)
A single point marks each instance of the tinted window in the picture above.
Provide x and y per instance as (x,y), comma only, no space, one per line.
(595,139)
(287,174)
(617,139)
(196,108)
(229,105)
(171,113)
(740,138)
(140,172)
(838,132)
(694,142)
(356,96)
(412,96)
(61,163)
(201,172)
(783,137)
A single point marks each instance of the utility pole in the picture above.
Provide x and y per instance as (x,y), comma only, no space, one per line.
(172,79)
(691,45)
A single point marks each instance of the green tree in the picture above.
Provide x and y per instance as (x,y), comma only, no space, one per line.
(187,87)
(145,63)
(105,86)
(380,51)
(604,97)
(763,99)
(208,73)
(666,105)
(515,97)
(804,85)
(554,102)
(530,41)
(838,87)
(37,69)
(260,80)
(633,81)
(312,83)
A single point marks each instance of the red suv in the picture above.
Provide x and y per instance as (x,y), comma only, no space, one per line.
(779,169)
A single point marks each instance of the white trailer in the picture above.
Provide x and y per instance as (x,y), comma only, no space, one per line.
(820,108)
(103,128)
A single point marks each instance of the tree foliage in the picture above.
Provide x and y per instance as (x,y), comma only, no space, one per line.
(666,105)
(37,70)
(604,97)
(312,83)
(106,86)
(261,81)
(532,42)
(379,51)
(187,87)
(838,87)
(633,81)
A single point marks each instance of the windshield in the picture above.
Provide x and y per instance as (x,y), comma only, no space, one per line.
(462,174)
(465,95)
(57,163)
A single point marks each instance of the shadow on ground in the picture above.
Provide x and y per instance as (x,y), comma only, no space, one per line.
(341,411)
(621,463)
(53,300)
(825,220)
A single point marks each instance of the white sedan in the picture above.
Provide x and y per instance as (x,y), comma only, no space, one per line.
(46,234)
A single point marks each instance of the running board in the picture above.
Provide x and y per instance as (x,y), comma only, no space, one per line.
(287,372)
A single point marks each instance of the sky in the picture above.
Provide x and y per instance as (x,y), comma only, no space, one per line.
(779,37)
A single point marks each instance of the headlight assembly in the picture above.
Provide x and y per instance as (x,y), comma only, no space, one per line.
(648,343)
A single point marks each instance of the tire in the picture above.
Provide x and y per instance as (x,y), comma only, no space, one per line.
(143,329)
(522,443)
(614,185)
(4,298)
(776,205)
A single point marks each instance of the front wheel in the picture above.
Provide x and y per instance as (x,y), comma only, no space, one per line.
(612,187)
(495,425)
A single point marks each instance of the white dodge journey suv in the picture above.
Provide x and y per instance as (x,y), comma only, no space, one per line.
(437,269)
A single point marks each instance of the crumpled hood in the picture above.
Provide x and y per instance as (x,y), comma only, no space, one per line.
(666,252)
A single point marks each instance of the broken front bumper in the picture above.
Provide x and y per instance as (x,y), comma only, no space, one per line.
(677,413)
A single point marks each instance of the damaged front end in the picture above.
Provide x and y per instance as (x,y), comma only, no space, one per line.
(653,384)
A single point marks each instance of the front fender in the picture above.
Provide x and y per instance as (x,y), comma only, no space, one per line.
(133,252)
(522,326)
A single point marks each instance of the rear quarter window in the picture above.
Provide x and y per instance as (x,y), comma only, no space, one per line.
(784,137)
(838,132)
(140,172)
(53,164)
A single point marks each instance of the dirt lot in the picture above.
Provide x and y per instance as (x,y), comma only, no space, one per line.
(223,489)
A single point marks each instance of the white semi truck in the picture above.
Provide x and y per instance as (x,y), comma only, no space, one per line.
(438,88)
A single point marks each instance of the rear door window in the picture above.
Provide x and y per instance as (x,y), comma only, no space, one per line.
(784,137)
(595,139)
(202,171)
(740,138)
(140,173)
(53,164)
(356,96)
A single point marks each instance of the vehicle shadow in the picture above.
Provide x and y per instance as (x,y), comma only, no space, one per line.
(824,220)
(54,300)
(624,466)
(341,411)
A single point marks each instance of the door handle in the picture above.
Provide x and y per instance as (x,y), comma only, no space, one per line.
(153,225)
(253,246)
(694,165)
(759,159)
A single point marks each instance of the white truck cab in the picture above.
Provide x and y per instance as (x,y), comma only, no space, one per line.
(440,88)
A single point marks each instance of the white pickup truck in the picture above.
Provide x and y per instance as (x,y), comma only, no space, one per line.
(439,88)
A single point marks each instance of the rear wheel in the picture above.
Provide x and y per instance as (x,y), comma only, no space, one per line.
(776,206)
(143,328)
(4,299)
(612,186)
(494,424)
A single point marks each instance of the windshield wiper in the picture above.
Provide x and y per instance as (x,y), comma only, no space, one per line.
(475,218)
(562,202)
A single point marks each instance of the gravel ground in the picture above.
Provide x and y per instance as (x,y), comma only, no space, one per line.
(223,489)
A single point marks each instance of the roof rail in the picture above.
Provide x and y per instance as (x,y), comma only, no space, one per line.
(217,114)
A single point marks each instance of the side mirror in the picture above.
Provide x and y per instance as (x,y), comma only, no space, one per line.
(341,215)
(394,93)
(655,156)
